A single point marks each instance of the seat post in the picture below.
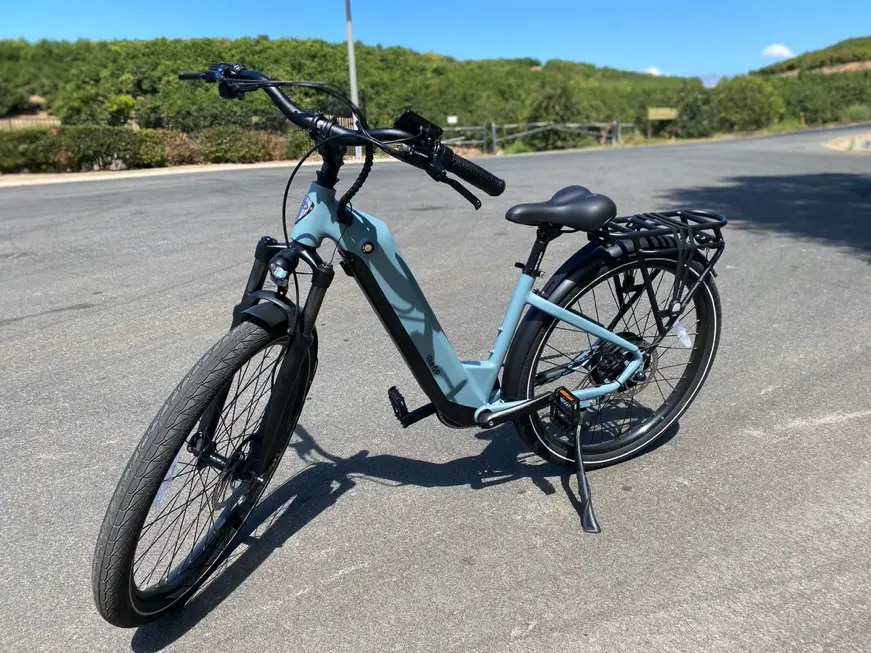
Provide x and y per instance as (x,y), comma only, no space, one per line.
(543,236)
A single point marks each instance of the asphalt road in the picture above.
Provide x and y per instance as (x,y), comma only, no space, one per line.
(749,530)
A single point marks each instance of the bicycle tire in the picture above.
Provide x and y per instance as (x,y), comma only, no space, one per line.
(118,599)
(529,343)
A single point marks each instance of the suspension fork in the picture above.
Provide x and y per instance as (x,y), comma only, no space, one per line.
(212,415)
(288,396)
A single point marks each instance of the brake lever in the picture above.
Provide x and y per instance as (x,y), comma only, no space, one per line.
(228,92)
(439,174)
(462,190)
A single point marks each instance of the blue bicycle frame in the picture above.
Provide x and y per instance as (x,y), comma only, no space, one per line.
(461,391)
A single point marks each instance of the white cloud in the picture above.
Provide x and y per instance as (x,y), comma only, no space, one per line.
(777,51)
(653,70)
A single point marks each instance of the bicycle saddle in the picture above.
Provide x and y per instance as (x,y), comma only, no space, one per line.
(574,206)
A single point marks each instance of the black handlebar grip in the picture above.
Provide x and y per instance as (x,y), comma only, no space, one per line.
(192,75)
(472,173)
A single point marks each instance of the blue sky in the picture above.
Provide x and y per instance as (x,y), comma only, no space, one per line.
(677,37)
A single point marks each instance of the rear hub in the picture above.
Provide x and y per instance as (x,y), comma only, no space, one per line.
(609,361)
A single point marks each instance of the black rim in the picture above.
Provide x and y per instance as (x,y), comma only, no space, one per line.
(570,357)
(207,492)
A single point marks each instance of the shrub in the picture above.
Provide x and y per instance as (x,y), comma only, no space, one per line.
(745,103)
(178,149)
(148,149)
(89,147)
(32,150)
(232,145)
(297,143)
(119,109)
(100,148)
(276,147)
(856,113)
(518,147)
(787,124)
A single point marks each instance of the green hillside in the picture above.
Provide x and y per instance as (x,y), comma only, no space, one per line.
(857,49)
(100,82)
(98,89)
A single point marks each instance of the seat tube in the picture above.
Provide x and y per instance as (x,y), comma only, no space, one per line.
(512,317)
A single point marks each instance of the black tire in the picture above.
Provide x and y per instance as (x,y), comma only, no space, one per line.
(155,466)
(521,369)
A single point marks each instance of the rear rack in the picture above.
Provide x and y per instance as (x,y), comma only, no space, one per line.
(703,227)
(691,235)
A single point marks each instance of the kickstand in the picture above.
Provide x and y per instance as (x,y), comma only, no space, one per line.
(588,517)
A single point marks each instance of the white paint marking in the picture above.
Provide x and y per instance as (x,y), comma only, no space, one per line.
(825,420)
(347,570)
(516,633)
(808,423)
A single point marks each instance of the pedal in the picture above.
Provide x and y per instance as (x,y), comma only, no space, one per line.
(565,409)
(397,402)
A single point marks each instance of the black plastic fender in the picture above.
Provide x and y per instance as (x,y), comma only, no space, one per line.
(565,277)
(267,308)
(269,315)
(273,312)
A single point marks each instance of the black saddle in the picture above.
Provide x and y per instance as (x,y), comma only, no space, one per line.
(574,206)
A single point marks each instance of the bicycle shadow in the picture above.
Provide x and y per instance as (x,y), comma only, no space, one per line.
(309,493)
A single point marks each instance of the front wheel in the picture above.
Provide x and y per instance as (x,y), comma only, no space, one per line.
(187,489)
(547,354)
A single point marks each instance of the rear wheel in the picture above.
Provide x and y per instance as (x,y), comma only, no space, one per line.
(547,354)
(186,491)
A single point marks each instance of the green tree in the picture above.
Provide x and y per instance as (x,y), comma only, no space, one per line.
(119,109)
(695,117)
(79,104)
(746,103)
(12,98)
(555,103)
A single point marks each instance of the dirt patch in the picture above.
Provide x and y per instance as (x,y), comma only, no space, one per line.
(850,67)
(857,143)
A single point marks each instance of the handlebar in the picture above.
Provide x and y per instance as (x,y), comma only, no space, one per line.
(426,154)
(472,173)
(202,76)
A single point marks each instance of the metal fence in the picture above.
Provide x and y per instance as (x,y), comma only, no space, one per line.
(487,137)
(490,136)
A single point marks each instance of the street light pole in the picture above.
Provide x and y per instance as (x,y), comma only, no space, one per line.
(352,67)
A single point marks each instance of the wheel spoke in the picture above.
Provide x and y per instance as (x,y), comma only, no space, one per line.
(176,535)
(627,307)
